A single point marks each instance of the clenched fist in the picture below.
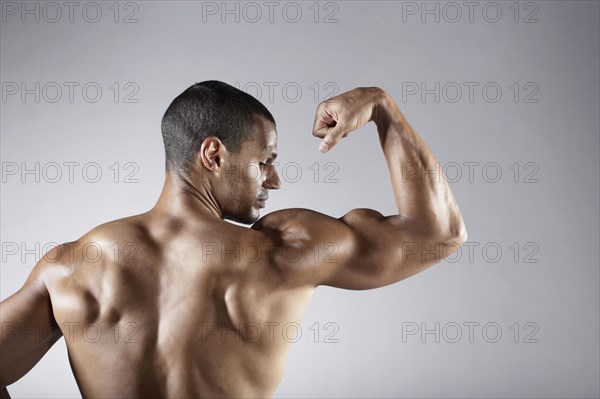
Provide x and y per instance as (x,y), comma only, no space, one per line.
(340,115)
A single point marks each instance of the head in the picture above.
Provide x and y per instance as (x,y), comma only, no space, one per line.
(226,140)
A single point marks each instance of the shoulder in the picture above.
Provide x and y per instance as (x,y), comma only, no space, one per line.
(309,244)
(285,219)
(309,222)
(133,227)
(295,225)
(100,245)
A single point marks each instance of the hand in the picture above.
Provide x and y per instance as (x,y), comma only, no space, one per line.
(340,115)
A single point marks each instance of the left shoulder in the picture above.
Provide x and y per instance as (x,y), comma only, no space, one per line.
(309,245)
(299,222)
(315,223)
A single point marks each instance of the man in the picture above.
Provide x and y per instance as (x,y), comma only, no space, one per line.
(176,302)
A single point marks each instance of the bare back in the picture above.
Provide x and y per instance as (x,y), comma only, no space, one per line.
(175,310)
(176,302)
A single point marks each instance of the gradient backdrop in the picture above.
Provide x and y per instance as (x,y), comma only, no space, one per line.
(506,94)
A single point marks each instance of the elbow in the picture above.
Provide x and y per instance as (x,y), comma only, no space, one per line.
(462,235)
(453,235)
(458,234)
(453,244)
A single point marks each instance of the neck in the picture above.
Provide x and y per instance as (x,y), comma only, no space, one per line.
(181,198)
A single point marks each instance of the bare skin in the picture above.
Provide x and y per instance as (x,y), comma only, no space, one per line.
(176,302)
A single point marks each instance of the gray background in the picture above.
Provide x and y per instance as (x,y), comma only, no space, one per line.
(551,129)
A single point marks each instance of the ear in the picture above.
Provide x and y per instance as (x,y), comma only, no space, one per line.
(211,153)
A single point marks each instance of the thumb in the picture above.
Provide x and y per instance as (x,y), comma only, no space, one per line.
(331,138)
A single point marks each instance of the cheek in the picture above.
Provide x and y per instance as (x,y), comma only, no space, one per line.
(254,176)
(253,173)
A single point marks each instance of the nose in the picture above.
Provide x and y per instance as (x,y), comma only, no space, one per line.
(272,181)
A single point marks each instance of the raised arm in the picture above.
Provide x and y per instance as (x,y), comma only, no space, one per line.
(367,249)
(420,189)
(28,327)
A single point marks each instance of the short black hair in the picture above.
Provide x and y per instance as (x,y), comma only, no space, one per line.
(209,108)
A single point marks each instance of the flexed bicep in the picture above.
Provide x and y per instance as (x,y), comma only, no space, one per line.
(361,250)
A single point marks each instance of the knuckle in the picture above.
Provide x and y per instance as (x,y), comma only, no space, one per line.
(330,139)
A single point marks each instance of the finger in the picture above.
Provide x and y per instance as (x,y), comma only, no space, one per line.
(322,131)
(324,121)
(322,127)
(332,138)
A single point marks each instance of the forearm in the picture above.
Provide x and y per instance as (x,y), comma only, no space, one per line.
(420,187)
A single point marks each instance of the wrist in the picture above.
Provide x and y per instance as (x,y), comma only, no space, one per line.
(382,103)
(386,112)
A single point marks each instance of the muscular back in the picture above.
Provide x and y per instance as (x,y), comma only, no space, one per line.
(151,306)
(178,303)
